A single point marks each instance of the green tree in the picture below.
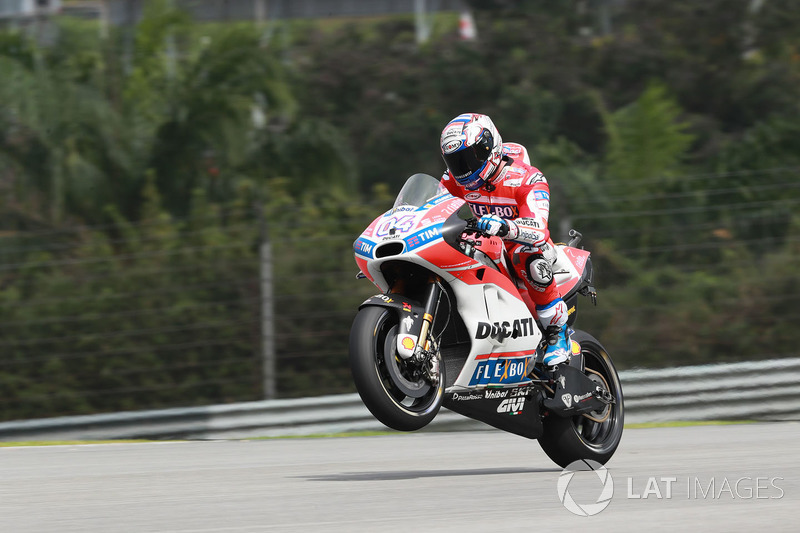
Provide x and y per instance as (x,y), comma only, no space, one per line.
(60,141)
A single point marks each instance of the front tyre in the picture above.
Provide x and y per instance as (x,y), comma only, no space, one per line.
(394,391)
(597,435)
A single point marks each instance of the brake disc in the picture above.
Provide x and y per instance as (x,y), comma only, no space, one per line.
(602,415)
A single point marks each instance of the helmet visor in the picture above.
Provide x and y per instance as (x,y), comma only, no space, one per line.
(464,163)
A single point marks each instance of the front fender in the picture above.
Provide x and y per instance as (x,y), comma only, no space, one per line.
(393,301)
(409,313)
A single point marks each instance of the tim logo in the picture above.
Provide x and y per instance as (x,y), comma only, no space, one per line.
(423,236)
(363,247)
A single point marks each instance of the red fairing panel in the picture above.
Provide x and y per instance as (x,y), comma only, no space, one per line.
(445,256)
(492,247)
(505,355)
(578,259)
(439,212)
(362,265)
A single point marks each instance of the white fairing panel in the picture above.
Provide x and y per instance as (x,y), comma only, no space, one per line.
(564,272)
(504,335)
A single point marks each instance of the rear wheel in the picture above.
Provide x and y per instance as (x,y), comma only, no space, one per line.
(595,435)
(396,392)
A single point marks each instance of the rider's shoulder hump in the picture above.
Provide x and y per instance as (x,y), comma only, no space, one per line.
(517,152)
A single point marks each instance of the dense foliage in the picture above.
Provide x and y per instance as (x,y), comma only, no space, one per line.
(141,171)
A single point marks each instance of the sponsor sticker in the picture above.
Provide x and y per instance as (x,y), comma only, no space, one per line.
(499,372)
(363,247)
(495,394)
(423,237)
(408,343)
(521,327)
(512,406)
(536,178)
(583,397)
(458,396)
(575,347)
(503,211)
(451,146)
(438,200)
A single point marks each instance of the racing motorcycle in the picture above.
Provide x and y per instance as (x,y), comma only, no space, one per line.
(451,327)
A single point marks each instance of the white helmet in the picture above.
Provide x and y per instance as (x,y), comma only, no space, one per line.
(472,149)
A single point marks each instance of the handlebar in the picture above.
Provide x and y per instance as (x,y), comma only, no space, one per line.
(576,238)
(472,227)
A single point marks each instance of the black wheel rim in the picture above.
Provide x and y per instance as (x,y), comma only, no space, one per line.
(402,383)
(601,436)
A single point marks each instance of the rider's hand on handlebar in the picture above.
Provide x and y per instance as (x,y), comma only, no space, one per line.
(494,225)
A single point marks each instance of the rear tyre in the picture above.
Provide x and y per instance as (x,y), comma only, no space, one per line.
(569,439)
(395,392)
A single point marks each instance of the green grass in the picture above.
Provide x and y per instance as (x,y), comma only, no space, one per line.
(687,423)
(332,435)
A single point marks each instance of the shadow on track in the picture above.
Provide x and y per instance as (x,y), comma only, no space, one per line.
(416,474)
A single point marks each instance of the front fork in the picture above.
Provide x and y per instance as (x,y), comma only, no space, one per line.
(425,352)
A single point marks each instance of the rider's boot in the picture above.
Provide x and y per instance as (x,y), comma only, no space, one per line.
(553,318)
(556,356)
(558,346)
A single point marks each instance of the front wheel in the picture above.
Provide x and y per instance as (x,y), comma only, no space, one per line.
(396,392)
(595,435)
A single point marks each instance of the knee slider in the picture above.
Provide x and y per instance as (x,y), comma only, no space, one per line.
(540,271)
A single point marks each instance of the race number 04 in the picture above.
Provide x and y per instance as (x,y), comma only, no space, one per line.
(403,224)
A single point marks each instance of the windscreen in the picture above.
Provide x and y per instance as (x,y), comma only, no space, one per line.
(417,190)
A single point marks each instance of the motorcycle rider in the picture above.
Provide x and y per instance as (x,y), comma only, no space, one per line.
(512,199)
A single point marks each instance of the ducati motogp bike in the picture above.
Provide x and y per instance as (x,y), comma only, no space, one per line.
(452,327)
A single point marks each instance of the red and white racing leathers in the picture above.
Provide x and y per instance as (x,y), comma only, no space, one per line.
(521,194)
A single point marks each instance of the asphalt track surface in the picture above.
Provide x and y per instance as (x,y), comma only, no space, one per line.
(471,481)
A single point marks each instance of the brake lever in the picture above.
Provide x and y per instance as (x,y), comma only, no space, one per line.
(472,227)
